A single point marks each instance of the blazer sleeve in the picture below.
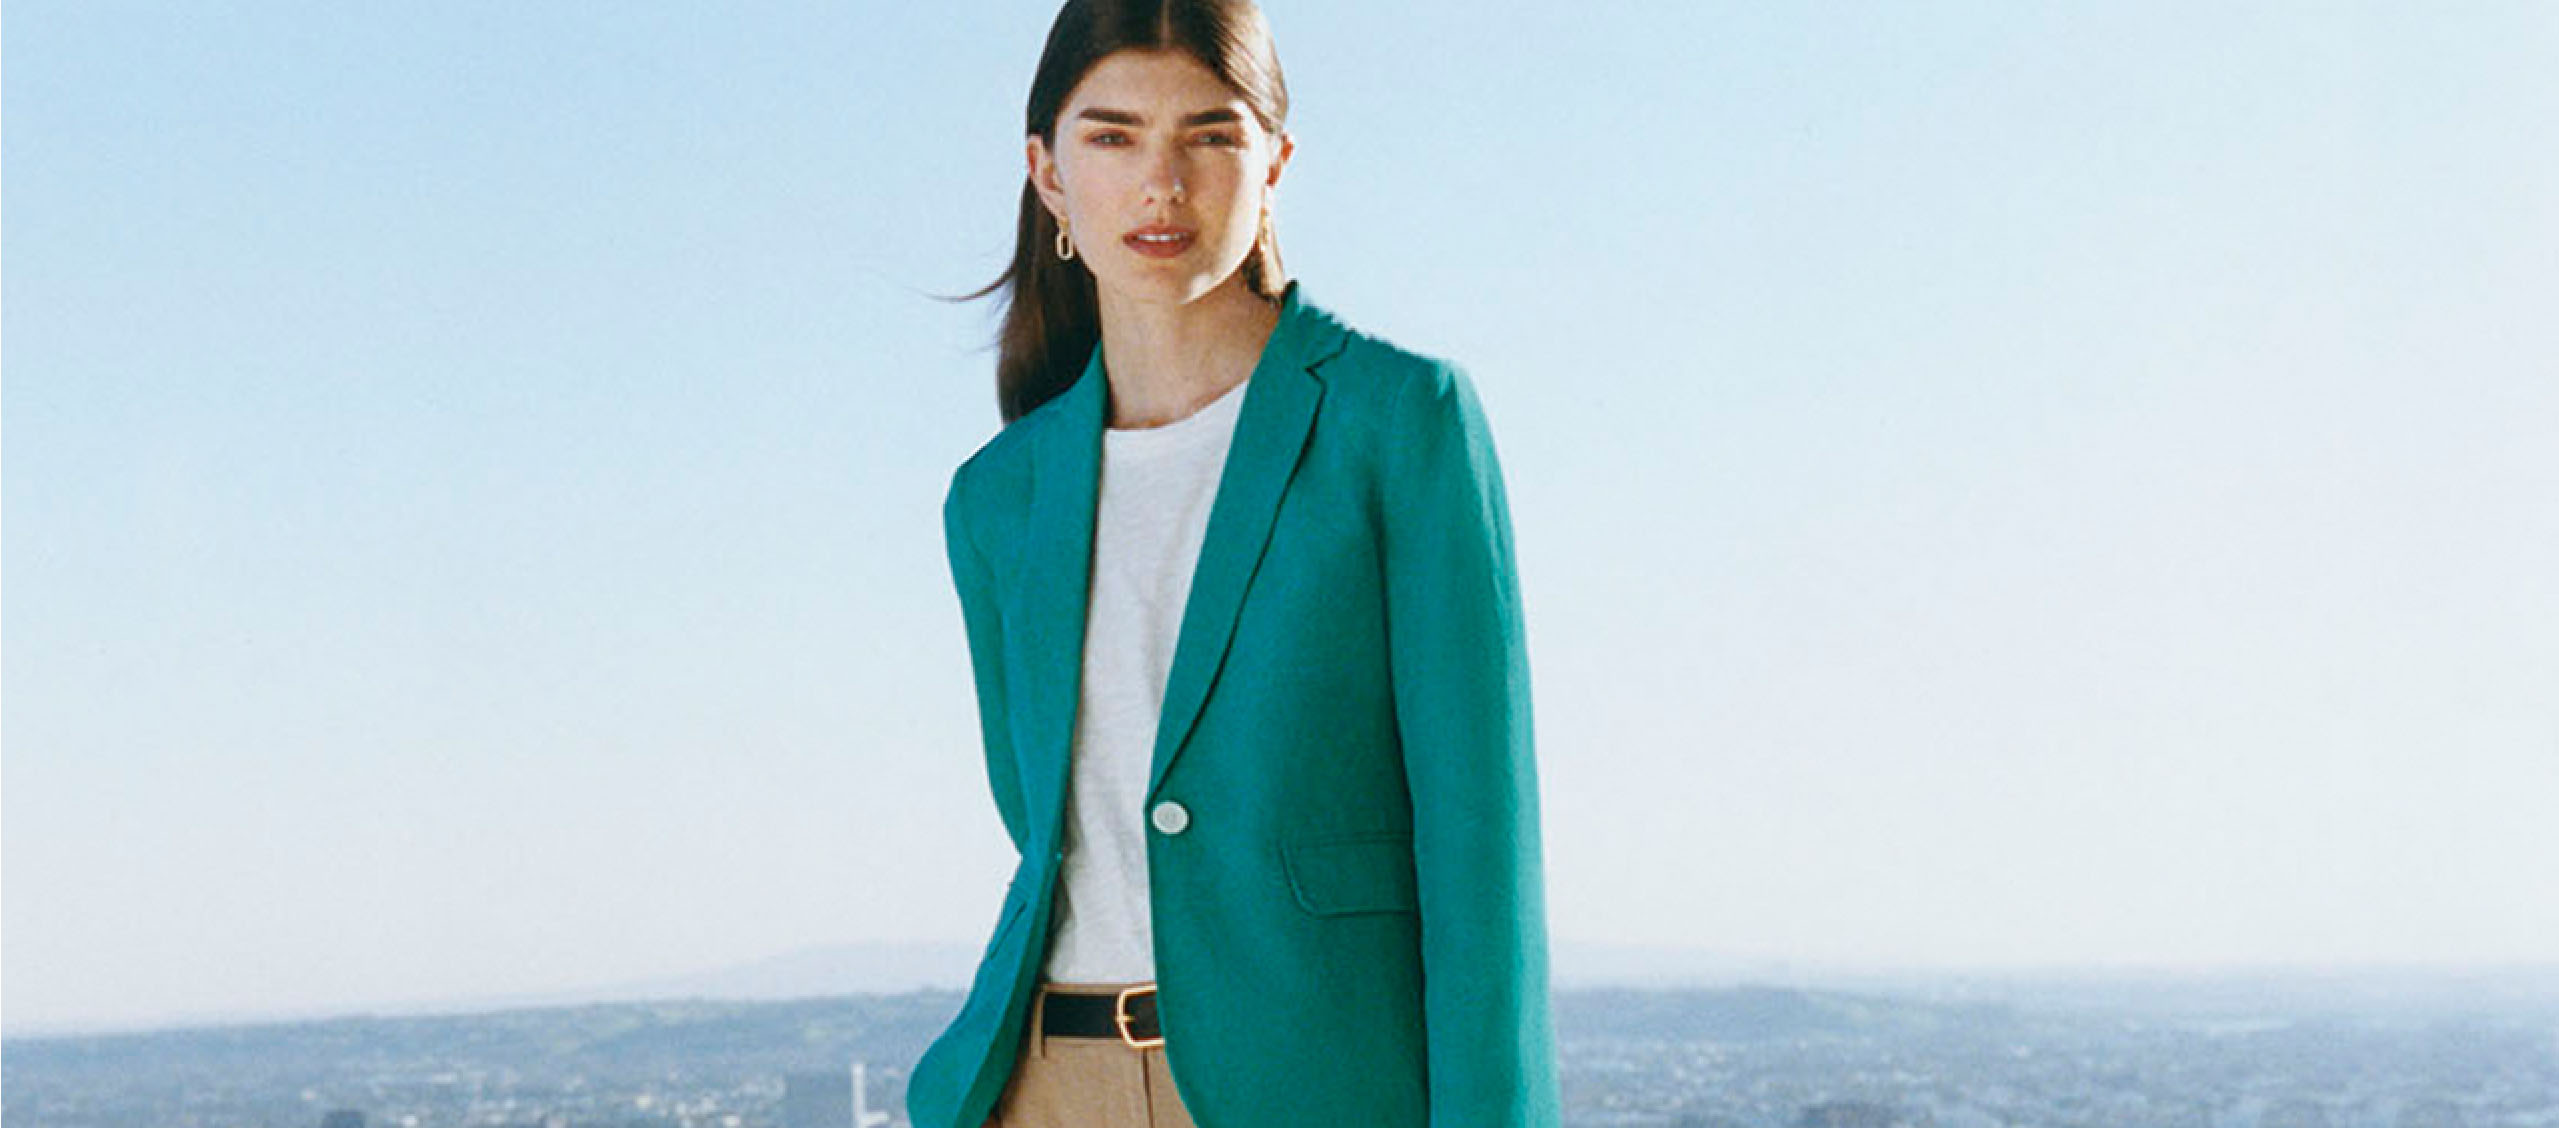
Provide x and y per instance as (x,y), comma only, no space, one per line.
(1459,660)
(979,610)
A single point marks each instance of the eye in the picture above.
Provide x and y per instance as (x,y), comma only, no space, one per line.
(1222,138)
(1111,137)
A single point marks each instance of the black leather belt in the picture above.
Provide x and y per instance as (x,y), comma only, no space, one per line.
(1128,1016)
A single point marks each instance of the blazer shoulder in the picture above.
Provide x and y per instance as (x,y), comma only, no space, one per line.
(999,470)
(994,479)
(1379,373)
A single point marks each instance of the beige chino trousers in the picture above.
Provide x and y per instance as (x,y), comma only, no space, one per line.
(1103,1082)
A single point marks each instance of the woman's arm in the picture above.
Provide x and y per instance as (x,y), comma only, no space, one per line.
(986,657)
(1459,659)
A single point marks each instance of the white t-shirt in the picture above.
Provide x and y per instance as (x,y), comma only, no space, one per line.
(1157,485)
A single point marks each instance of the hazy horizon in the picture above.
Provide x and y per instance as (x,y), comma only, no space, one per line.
(1992,487)
(1578,967)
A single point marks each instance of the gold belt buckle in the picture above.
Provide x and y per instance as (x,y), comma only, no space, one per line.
(1120,1015)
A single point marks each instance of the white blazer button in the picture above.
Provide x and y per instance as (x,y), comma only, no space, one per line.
(1171,817)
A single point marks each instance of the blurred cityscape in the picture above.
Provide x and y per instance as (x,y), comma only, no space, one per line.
(1783,1057)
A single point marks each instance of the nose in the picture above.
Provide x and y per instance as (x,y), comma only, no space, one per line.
(1164,182)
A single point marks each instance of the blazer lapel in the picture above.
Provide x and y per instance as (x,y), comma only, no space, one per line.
(1270,433)
(1271,429)
(1065,491)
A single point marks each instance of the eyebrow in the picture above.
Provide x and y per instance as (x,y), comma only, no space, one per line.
(1221,115)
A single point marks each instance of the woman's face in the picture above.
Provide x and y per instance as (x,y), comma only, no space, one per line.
(1139,123)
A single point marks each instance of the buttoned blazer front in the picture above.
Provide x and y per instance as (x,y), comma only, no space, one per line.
(1349,928)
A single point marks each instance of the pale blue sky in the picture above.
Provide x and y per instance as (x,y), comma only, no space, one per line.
(1995,484)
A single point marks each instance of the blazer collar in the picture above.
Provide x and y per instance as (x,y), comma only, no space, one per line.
(1270,432)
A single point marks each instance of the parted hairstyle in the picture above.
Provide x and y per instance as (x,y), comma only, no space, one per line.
(1051,319)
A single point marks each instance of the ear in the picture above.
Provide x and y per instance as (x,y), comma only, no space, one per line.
(1043,174)
(1280,153)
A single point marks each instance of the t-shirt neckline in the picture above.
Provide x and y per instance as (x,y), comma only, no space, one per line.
(1196,423)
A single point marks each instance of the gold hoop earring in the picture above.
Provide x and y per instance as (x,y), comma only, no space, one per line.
(1065,248)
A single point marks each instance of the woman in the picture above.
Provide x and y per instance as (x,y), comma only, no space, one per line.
(1241,613)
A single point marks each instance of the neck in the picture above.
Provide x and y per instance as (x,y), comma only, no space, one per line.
(1167,361)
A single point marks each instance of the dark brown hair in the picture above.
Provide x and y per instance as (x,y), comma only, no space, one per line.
(1051,319)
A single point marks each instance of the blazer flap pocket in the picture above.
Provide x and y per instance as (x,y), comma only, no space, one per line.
(1361,872)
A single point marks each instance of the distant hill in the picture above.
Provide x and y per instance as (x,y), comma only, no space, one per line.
(875,967)
(1763,1055)
(1653,972)
(631,1038)
(833,969)
(883,1026)
(1760,1014)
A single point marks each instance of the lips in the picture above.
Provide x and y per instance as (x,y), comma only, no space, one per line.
(1157,240)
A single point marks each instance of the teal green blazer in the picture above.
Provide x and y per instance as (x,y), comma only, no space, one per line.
(1350,929)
